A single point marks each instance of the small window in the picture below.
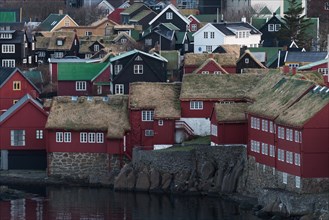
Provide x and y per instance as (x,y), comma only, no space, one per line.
(277,27)
(91,138)
(246,60)
(123,40)
(214,130)
(212,34)
(67,137)
(148,42)
(67,23)
(17,85)
(205,35)
(59,137)
(15,101)
(217,72)
(138,69)
(83,137)
(196,105)
(119,89)
(147,115)
(272,151)
(8,63)
(284,178)
(169,15)
(297,180)
(160,122)
(149,133)
(205,72)
(17,137)
(80,85)
(297,159)
(117,69)
(194,27)
(99,90)
(271,27)
(209,48)
(39,134)
(100,138)
(59,42)
(96,47)
(138,58)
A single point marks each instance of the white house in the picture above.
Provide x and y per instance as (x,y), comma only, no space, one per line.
(209,37)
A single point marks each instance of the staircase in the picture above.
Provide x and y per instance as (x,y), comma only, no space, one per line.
(183,125)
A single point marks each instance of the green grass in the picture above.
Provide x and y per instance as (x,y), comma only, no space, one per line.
(189,145)
(198,140)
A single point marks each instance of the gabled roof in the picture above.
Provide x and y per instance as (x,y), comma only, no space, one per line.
(271,53)
(141,15)
(211,60)
(175,10)
(265,11)
(67,37)
(90,114)
(197,59)
(52,21)
(206,17)
(124,34)
(313,64)
(18,104)
(306,108)
(163,98)
(129,53)
(80,71)
(7,72)
(229,49)
(231,112)
(247,52)
(132,8)
(210,87)
(307,57)
(272,102)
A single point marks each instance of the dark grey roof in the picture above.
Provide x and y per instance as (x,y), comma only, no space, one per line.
(225,27)
(305,56)
(5,72)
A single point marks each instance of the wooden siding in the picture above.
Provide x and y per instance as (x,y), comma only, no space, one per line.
(202,113)
(176,20)
(67,88)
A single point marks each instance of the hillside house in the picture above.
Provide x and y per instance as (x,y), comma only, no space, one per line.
(54,22)
(320,66)
(248,60)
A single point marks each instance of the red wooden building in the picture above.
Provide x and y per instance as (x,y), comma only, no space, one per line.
(88,125)
(195,24)
(210,66)
(13,86)
(22,139)
(154,114)
(319,66)
(193,61)
(229,124)
(200,92)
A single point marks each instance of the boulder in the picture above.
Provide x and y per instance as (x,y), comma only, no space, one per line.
(142,182)
(154,179)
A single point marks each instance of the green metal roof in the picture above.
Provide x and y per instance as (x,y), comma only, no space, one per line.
(141,15)
(7,16)
(206,17)
(265,11)
(171,26)
(278,11)
(310,65)
(50,22)
(180,37)
(132,8)
(134,34)
(79,71)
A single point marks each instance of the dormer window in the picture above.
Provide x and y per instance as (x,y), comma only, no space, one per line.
(59,42)
(271,27)
(277,27)
(169,15)
(96,47)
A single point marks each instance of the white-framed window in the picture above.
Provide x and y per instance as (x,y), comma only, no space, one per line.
(271,127)
(280,155)
(160,122)
(39,134)
(196,105)
(17,85)
(17,137)
(277,27)
(209,48)
(289,157)
(284,178)
(148,42)
(169,15)
(8,48)
(149,133)
(264,125)
(91,137)
(42,54)
(138,69)
(257,120)
(293,65)
(88,55)
(59,137)
(8,63)
(30,59)
(217,72)
(6,36)
(271,27)
(147,115)
(58,54)
(67,23)
(272,150)
(264,149)
(246,60)
(83,137)
(99,138)
(204,72)
(289,134)
(60,42)
(255,146)
(324,71)
(67,137)
(123,40)
(117,68)
(280,132)
(80,85)
(88,33)
(297,180)
(99,90)
(297,159)
(194,27)
(138,58)
(119,89)
(214,130)
(33,46)
(212,35)
(96,47)
(205,34)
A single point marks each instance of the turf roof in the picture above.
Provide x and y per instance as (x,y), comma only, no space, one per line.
(232,112)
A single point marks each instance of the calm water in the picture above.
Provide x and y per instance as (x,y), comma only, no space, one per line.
(98,204)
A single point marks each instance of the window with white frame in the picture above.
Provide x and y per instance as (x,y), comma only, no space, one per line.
(17,137)
(324,71)
(119,89)
(300,137)
(297,159)
(83,137)
(212,35)
(289,157)
(297,181)
(5,36)
(147,115)
(138,69)
(194,27)
(280,155)
(123,40)
(169,15)
(59,137)
(297,136)
(214,130)
(217,72)
(271,127)
(264,125)
(205,34)
(67,137)
(39,134)
(252,122)
(42,54)
(246,60)
(264,149)
(91,137)
(58,54)
(271,27)
(99,90)
(252,145)
(67,23)
(8,63)
(60,42)
(148,42)
(99,138)
(277,27)
(272,150)
(88,33)
(255,146)
(204,72)
(160,122)
(8,48)
(257,123)
(196,105)
(80,85)
(117,68)
(209,48)
(289,134)
(280,132)
(149,133)
(96,47)
(284,178)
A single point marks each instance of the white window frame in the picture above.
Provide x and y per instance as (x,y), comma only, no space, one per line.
(204,72)
(39,134)
(264,149)
(160,122)
(67,137)
(209,48)
(271,127)
(96,47)
(91,137)
(277,27)
(8,48)
(147,115)
(149,133)
(212,35)
(8,63)
(17,137)
(194,27)
(271,27)
(281,155)
(196,105)
(59,137)
(138,69)
(284,178)
(100,138)
(289,157)
(297,159)
(80,85)
(272,150)
(265,125)
(119,89)
(214,130)
(297,182)
(169,15)
(205,35)
(117,69)
(83,137)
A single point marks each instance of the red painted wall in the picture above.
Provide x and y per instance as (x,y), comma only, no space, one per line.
(211,67)
(232,133)
(67,88)
(115,146)
(192,21)
(75,145)
(315,165)
(164,134)
(8,95)
(28,118)
(54,72)
(204,113)
(190,68)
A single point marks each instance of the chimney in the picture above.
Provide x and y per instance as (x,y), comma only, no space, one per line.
(60,11)
(244,19)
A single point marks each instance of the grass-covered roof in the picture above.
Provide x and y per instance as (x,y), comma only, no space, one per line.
(224,59)
(162,97)
(90,115)
(232,112)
